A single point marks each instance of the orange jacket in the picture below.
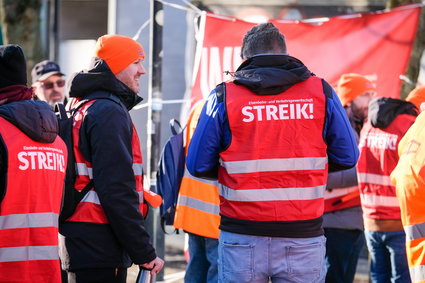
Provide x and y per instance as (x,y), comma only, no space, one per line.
(409,179)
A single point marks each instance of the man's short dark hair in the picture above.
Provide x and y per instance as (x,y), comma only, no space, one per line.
(263,38)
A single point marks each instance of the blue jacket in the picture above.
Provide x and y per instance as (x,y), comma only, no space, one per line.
(267,75)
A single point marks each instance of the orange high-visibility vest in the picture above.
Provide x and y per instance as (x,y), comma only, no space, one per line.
(409,179)
(198,204)
(267,173)
(30,209)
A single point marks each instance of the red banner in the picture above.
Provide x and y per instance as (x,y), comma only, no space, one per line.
(376,45)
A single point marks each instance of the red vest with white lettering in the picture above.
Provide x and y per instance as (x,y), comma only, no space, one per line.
(90,209)
(30,209)
(275,168)
(378,158)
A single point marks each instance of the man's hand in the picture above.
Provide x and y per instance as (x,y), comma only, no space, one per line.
(154,266)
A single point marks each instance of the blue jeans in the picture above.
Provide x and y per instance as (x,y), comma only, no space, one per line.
(343,248)
(255,259)
(202,266)
(388,254)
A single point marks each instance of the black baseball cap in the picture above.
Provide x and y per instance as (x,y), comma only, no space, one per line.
(45,69)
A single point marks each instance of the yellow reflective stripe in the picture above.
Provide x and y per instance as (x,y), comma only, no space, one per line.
(414,232)
(276,194)
(375,200)
(275,164)
(11,254)
(374,179)
(198,204)
(417,273)
(29,220)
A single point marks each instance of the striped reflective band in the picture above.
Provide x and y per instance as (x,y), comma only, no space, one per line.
(92,197)
(339,192)
(205,181)
(375,200)
(30,220)
(198,204)
(374,179)
(277,164)
(272,194)
(417,273)
(414,232)
(29,253)
(83,170)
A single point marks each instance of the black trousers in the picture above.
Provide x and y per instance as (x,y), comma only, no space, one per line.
(98,275)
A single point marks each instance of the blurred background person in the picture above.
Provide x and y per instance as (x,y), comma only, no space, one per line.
(48,82)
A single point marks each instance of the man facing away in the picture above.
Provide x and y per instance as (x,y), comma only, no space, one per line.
(106,233)
(342,220)
(270,136)
(48,83)
(32,170)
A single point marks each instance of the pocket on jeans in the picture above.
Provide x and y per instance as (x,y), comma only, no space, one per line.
(305,262)
(237,261)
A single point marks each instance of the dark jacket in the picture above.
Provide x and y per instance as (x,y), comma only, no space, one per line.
(268,75)
(383,110)
(33,118)
(105,141)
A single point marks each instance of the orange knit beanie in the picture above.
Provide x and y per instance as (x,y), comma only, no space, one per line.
(118,51)
(417,96)
(352,85)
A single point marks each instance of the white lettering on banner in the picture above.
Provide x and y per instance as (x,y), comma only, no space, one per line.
(273,111)
(39,160)
(380,141)
(215,61)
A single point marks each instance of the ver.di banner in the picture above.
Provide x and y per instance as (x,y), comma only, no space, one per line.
(376,45)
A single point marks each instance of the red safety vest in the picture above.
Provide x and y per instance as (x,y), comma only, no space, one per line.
(30,209)
(378,157)
(90,209)
(198,204)
(275,168)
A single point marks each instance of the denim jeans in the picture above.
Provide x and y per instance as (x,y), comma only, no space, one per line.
(255,259)
(388,254)
(343,248)
(202,266)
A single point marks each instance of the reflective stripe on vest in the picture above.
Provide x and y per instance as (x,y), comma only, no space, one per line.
(30,220)
(272,194)
(275,168)
(341,198)
(276,164)
(198,206)
(374,179)
(375,200)
(414,232)
(29,253)
(417,273)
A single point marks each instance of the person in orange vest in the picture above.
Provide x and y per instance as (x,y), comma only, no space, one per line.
(388,121)
(269,137)
(409,180)
(106,233)
(342,220)
(33,162)
(197,213)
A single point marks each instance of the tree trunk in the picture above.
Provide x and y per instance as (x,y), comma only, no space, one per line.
(20,22)
(412,72)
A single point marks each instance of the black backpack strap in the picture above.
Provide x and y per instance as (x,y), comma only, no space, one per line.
(327,89)
(220,91)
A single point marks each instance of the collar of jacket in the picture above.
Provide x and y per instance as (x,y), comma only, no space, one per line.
(383,110)
(100,78)
(271,74)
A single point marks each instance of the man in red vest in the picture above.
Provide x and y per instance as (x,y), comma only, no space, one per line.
(32,170)
(270,136)
(106,233)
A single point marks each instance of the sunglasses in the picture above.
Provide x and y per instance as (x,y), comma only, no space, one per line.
(50,85)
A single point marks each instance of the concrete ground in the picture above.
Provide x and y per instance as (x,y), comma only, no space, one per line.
(175,263)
